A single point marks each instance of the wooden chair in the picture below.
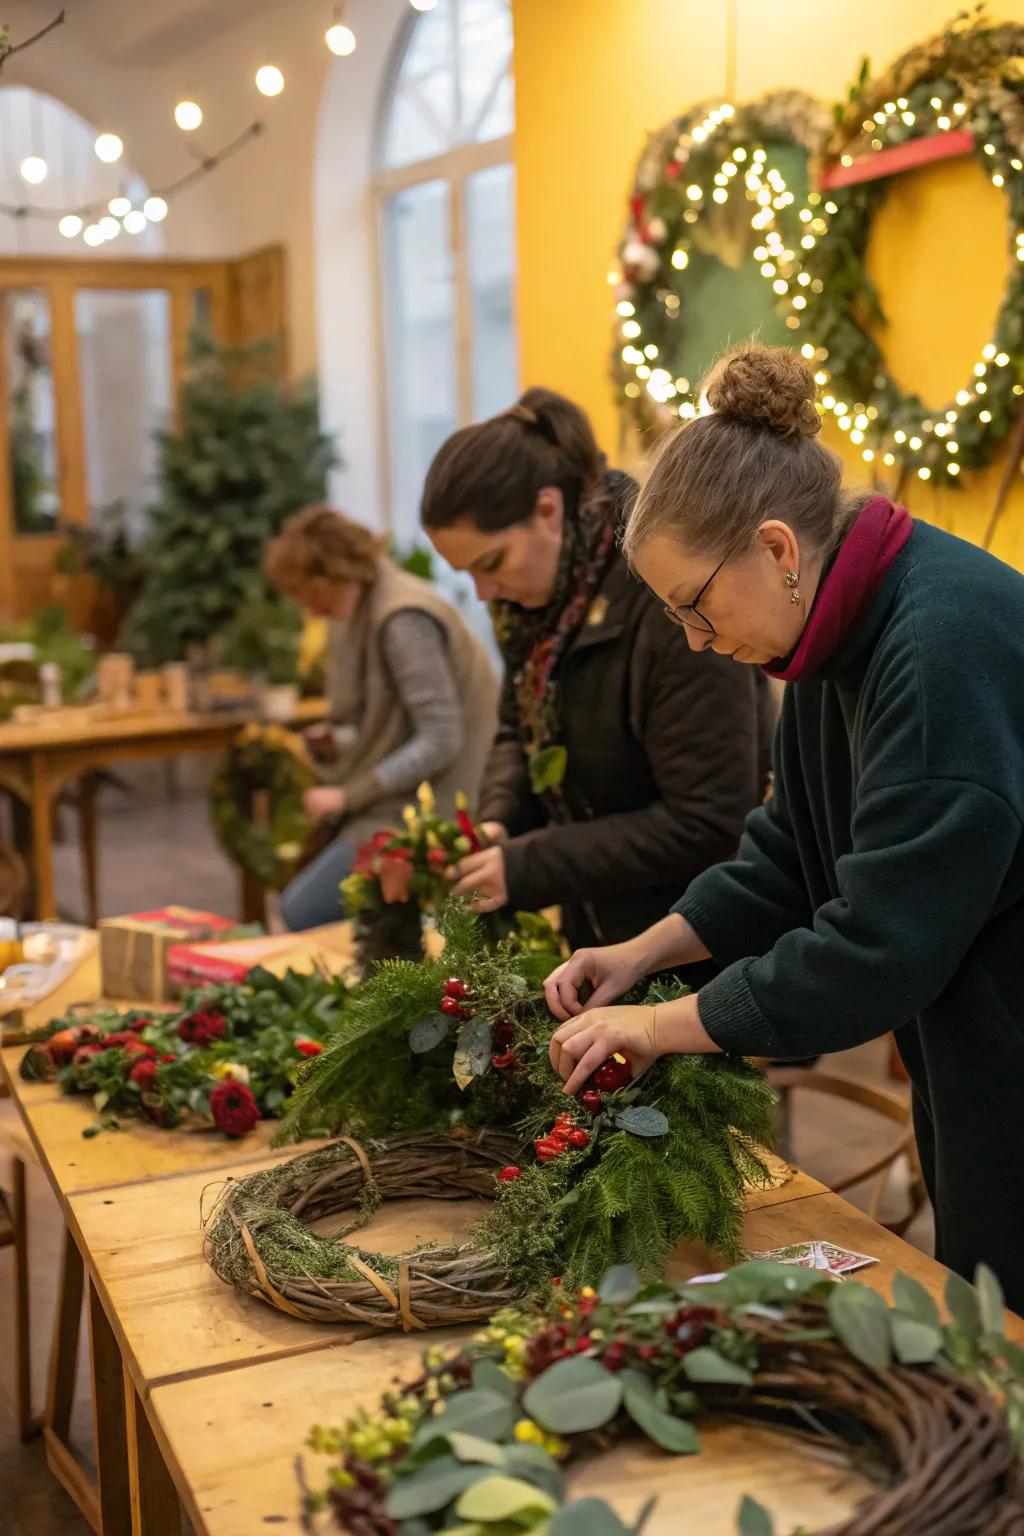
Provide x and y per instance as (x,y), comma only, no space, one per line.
(14,1234)
(881,1101)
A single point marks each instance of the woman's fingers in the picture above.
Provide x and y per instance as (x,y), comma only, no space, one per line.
(559,1039)
(588,1064)
(562,987)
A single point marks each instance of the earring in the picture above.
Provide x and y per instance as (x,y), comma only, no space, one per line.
(792,578)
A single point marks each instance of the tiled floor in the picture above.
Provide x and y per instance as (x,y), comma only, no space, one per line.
(155,851)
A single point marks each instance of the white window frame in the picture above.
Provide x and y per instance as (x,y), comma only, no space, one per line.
(454,167)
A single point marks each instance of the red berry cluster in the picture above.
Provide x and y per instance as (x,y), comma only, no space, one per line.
(453,999)
(563,1135)
(362,1509)
(613,1074)
(688,1328)
(575,1334)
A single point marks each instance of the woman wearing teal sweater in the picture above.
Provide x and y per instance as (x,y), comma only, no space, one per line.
(882,886)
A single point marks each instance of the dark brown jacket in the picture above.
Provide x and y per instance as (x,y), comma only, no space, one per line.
(668,751)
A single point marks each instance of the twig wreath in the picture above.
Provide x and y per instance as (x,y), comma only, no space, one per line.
(699,164)
(968,80)
(929,1410)
(438,1063)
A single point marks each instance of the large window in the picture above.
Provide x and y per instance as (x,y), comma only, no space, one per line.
(446,188)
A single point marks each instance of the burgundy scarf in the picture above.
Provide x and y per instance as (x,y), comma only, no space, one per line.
(866,553)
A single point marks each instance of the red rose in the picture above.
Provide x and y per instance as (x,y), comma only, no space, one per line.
(309,1047)
(365,860)
(143,1074)
(200,1028)
(233,1108)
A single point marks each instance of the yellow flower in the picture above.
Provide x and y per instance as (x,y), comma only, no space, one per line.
(232,1069)
(555,1446)
(588,1291)
(461,803)
(425,796)
(411,819)
(515,1349)
(529,1433)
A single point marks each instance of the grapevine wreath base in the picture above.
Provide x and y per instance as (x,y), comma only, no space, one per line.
(928,1410)
(257,1237)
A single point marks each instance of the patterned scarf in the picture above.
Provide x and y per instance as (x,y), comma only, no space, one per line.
(534,641)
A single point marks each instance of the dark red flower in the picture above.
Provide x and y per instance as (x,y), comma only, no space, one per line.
(136,1022)
(83,1053)
(119,1037)
(616,1355)
(143,1074)
(365,860)
(688,1328)
(233,1108)
(510,1174)
(200,1028)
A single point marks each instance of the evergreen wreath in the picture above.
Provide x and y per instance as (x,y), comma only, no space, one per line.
(970,77)
(691,168)
(930,1410)
(265,762)
(623,1174)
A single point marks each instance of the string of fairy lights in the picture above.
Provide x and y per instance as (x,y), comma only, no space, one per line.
(99,222)
(782,264)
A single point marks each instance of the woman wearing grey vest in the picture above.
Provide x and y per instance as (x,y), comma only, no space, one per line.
(411,692)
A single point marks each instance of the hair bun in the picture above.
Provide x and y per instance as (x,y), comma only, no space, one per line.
(765,387)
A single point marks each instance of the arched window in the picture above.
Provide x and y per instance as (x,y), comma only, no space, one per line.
(445,185)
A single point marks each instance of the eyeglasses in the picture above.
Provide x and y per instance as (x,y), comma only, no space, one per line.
(688,615)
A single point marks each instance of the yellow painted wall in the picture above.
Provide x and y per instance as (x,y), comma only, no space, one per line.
(594,76)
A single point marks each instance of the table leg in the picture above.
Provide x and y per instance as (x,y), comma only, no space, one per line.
(42,837)
(110,1423)
(28,1423)
(88,796)
(64,1359)
(154,1498)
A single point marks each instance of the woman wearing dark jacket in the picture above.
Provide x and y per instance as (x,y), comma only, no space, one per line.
(623,763)
(882,886)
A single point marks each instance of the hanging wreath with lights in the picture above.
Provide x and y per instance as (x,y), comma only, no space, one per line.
(962,90)
(701,163)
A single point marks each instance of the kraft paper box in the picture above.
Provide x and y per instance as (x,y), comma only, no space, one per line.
(134,948)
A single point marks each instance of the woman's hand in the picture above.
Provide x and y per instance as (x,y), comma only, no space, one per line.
(481,876)
(494,831)
(610,972)
(323,800)
(579,1047)
(320,742)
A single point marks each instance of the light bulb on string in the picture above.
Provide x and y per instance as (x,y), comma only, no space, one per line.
(119,206)
(269,80)
(423,5)
(70,226)
(94,235)
(135,221)
(155,209)
(341,40)
(109,148)
(33,170)
(188,115)
(109,227)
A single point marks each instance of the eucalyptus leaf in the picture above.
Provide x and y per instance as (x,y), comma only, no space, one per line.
(707,1365)
(990,1299)
(620,1284)
(431,1487)
(489,1376)
(473,1448)
(915,1343)
(428,1032)
(536,1465)
(753,1519)
(587,1517)
(962,1304)
(911,1297)
(473,1050)
(672,1434)
(490,1415)
(861,1320)
(573,1395)
(642,1120)
(502,1498)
